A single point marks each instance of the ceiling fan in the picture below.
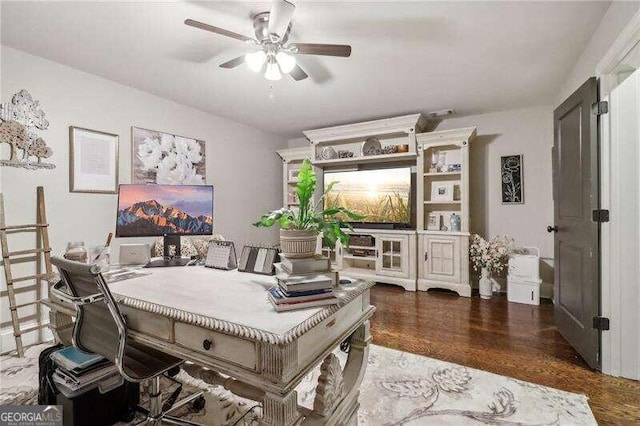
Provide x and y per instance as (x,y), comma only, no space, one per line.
(275,56)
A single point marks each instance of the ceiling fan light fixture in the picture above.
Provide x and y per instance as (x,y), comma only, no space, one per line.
(273,71)
(255,60)
(286,61)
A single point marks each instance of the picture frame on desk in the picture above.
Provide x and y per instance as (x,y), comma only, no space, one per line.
(258,259)
(93,161)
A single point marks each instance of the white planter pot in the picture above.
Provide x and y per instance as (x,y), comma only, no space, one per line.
(485,284)
(296,243)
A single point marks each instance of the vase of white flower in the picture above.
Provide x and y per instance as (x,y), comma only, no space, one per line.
(485,284)
(489,257)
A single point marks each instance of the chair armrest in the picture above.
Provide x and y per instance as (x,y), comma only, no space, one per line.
(77,301)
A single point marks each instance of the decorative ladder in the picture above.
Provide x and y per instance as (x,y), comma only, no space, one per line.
(42,250)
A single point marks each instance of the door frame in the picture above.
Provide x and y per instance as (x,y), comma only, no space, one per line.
(611,289)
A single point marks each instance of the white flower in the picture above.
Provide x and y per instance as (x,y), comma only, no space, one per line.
(175,169)
(167,172)
(149,153)
(166,142)
(188,148)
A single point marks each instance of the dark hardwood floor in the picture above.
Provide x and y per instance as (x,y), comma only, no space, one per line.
(505,338)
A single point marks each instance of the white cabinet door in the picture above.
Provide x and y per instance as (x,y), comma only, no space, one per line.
(392,257)
(441,258)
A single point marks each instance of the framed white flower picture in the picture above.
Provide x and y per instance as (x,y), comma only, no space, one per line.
(166,159)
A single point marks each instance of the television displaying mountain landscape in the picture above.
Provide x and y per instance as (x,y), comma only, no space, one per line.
(382,196)
(157,210)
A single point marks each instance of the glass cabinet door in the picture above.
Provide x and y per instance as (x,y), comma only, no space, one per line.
(392,256)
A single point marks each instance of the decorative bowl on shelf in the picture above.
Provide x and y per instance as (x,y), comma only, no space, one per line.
(328,153)
(403,148)
(371,146)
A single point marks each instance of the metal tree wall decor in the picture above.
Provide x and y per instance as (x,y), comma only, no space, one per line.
(20,121)
(512,182)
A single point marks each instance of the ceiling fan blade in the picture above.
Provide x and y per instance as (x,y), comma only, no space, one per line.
(217,30)
(341,50)
(233,63)
(298,74)
(280,17)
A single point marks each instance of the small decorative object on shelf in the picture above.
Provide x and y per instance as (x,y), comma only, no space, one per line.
(20,121)
(435,156)
(328,153)
(362,240)
(442,191)
(371,146)
(344,153)
(402,148)
(454,167)
(390,149)
(455,221)
(293,174)
(435,221)
(299,228)
(489,257)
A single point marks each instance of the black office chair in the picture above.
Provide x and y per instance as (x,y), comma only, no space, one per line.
(100,328)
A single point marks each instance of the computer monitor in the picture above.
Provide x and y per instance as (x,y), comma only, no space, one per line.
(168,211)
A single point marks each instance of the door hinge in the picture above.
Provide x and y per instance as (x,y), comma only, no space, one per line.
(599,108)
(601,323)
(601,215)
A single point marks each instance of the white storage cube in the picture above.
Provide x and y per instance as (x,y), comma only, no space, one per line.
(521,291)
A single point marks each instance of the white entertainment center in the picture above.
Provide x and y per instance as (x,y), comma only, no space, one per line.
(433,252)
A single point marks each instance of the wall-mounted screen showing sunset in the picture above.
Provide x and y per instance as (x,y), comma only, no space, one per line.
(157,210)
(382,196)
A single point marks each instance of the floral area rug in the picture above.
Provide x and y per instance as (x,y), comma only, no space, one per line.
(399,388)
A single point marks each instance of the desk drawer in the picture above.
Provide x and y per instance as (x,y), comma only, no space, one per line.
(147,323)
(222,346)
(315,340)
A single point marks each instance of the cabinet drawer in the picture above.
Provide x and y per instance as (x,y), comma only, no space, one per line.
(222,346)
(315,340)
(147,323)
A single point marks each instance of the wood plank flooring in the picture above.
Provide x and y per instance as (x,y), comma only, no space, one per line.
(505,338)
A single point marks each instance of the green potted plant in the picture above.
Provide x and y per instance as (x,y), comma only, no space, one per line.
(299,229)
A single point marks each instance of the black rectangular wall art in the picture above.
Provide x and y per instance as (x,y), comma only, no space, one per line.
(512,179)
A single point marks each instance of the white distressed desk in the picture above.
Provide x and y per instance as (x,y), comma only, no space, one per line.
(222,322)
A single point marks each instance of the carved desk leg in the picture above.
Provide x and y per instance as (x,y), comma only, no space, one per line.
(337,392)
(280,410)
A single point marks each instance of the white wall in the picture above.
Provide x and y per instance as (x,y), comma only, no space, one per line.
(241,161)
(617,17)
(527,131)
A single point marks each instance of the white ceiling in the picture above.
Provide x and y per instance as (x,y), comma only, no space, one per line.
(420,56)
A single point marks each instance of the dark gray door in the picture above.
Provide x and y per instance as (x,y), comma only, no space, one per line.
(576,195)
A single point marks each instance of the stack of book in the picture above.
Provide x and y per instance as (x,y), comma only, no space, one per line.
(303,283)
(77,371)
